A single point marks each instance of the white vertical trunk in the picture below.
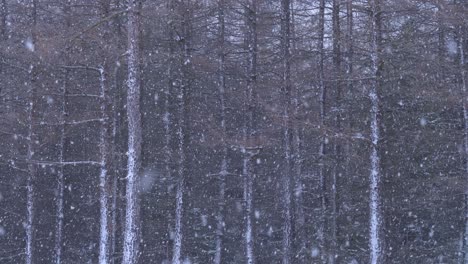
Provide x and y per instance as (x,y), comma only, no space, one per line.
(374,183)
(250,11)
(30,179)
(178,235)
(465,117)
(60,178)
(182,133)
(115,169)
(374,192)
(176,257)
(332,254)
(323,94)
(288,156)
(220,216)
(113,239)
(248,233)
(103,176)
(130,250)
(30,152)
(223,169)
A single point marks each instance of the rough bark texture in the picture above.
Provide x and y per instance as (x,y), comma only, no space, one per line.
(287,127)
(250,13)
(130,251)
(223,166)
(375,220)
(322,150)
(60,176)
(465,134)
(30,190)
(105,185)
(337,170)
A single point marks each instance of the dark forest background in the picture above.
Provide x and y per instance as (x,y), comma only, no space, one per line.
(55,57)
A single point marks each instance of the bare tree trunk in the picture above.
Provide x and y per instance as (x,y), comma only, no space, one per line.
(299,217)
(31,176)
(332,254)
(287,126)
(60,177)
(375,243)
(349,76)
(182,132)
(465,135)
(167,118)
(115,166)
(223,167)
(250,12)
(130,250)
(60,173)
(104,181)
(30,192)
(323,96)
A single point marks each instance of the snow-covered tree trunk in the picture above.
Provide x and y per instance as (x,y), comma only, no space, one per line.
(323,97)
(336,34)
(104,183)
(250,13)
(182,132)
(60,176)
(375,220)
(115,164)
(287,127)
(30,190)
(299,216)
(167,116)
(461,43)
(31,173)
(349,76)
(223,166)
(131,233)
(178,235)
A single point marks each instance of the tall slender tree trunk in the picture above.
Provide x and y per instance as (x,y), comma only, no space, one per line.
(287,127)
(130,250)
(299,216)
(322,151)
(30,233)
(105,148)
(332,255)
(375,220)
(182,130)
(167,117)
(105,186)
(60,174)
(176,255)
(31,175)
(223,166)
(465,134)
(60,171)
(30,190)
(115,165)
(349,76)
(250,13)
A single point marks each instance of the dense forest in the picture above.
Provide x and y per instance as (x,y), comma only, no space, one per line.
(233,131)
